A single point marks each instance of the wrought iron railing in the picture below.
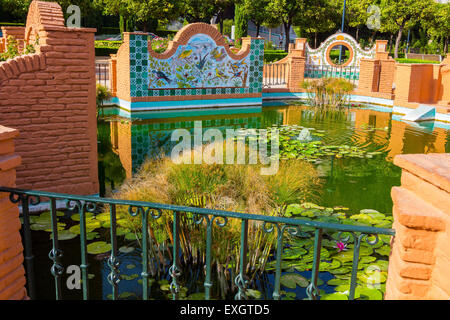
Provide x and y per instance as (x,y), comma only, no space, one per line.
(323,71)
(275,75)
(200,216)
(102,73)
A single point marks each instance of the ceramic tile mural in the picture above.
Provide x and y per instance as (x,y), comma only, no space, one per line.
(198,68)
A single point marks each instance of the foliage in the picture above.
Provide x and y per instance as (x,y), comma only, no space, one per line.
(415,61)
(285,12)
(12,49)
(273,55)
(102,94)
(238,188)
(318,16)
(400,15)
(328,93)
(240,23)
(255,10)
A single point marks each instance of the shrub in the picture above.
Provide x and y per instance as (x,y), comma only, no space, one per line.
(274,55)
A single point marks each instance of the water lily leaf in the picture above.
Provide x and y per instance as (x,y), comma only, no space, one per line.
(65,235)
(372,277)
(104,216)
(369,293)
(254,293)
(384,250)
(98,247)
(125,249)
(129,277)
(76,229)
(133,236)
(337,282)
(291,280)
(367,259)
(196,296)
(326,266)
(382,264)
(344,256)
(126,295)
(334,296)
(92,235)
(131,266)
(76,216)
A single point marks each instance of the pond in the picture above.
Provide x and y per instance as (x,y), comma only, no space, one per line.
(356,183)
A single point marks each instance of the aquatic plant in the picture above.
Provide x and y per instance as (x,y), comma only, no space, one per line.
(239,188)
(328,93)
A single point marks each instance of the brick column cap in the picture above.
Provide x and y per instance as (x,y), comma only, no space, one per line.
(432,167)
(8,133)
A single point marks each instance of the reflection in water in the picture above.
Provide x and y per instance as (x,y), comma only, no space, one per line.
(354,183)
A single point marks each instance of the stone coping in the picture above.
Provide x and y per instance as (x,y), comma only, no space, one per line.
(432,167)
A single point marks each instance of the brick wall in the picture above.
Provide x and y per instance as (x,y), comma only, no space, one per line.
(17,32)
(50,97)
(12,273)
(420,256)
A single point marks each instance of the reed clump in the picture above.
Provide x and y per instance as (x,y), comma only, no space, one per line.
(328,93)
(238,188)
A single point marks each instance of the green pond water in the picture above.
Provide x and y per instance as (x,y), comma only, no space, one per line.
(357,183)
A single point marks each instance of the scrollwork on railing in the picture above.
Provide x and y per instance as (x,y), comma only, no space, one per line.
(113,276)
(241,281)
(57,269)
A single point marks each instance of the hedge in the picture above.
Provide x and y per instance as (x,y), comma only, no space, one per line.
(401,60)
(104,51)
(274,55)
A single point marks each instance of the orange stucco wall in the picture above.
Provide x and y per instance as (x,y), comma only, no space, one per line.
(423,84)
(12,273)
(420,256)
(50,97)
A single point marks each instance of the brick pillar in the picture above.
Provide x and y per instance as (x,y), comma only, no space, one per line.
(296,62)
(420,256)
(12,273)
(113,74)
(368,76)
(17,32)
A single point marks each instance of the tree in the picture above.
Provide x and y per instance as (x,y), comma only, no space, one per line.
(400,15)
(439,23)
(255,10)
(318,16)
(240,22)
(357,15)
(14,9)
(200,10)
(285,12)
(146,12)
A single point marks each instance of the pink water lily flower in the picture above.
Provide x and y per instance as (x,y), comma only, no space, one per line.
(341,246)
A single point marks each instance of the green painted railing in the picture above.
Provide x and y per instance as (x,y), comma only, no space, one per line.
(149,210)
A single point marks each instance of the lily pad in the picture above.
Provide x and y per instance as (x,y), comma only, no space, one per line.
(65,235)
(98,247)
(292,280)
(125,249)
(334,296)
(76,216)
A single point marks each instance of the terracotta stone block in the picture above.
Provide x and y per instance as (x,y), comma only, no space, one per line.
(413,212)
